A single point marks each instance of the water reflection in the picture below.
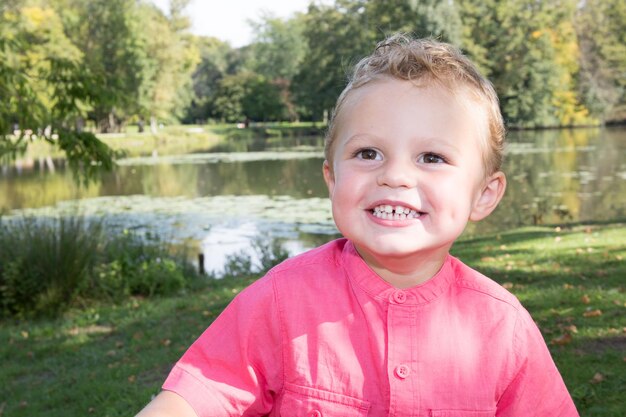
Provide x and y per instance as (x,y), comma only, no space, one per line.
(275,187)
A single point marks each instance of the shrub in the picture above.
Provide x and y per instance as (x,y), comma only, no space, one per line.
(46,265)
(266,254)
(44,261)
(142,265)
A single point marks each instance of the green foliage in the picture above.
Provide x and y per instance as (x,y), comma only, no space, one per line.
(48,265)
(601,29)
(248,95)
(43,262)
(138,265)
(279,46)
(68,66)
(63,62)
(528,49)
(268,253)
(339,35)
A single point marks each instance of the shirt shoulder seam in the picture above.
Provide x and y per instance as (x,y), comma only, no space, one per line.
(469,285)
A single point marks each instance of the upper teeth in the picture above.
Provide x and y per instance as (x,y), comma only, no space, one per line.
(386,211)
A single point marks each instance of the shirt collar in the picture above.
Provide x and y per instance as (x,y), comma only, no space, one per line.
(363,276)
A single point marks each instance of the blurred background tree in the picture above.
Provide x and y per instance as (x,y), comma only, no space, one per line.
(72,68)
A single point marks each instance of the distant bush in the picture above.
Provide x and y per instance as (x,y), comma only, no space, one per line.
(266,254)
(131,264)
(48,264)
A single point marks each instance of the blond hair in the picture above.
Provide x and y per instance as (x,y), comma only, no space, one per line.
(405,58)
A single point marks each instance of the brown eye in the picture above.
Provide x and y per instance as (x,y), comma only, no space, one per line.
(368,154)
(432,158)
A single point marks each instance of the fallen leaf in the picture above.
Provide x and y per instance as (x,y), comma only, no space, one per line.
(592,313)
(597,378)
(508,285)
(562,340)
(572,329)
(24,334)
(166,342)
(585,299)
(132,379)
(23,403)
(91,410)
(567,286)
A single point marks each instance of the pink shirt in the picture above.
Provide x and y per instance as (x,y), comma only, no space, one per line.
(323,335)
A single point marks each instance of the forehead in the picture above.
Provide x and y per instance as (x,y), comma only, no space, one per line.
(391,107)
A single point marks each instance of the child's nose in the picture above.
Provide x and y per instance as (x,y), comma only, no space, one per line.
(398,173)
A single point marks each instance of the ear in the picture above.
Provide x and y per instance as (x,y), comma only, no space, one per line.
(329,177)
(489,197)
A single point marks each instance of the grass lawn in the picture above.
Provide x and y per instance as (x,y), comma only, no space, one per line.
(108,360)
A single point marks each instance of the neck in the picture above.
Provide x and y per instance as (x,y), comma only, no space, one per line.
(406,272)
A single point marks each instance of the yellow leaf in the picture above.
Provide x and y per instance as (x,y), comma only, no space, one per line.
(597,378)
(592,313)
(562,340)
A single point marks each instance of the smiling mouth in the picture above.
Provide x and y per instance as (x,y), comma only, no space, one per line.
(388,212)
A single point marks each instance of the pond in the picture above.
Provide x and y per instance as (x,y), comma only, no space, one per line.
(219,199)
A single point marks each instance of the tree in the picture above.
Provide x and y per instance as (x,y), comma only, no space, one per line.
(171,56)
(601,30)
(214,65)
(422,18)
(278,50)
(106,33)
(247,95)
(339,35)
(523,47)
(279,46)
(44,87)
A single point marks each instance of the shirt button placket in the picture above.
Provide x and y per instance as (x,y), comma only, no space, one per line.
(400,347)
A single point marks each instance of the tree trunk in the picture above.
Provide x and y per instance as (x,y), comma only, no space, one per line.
(153,125)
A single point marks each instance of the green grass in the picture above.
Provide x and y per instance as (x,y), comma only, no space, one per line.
(108,360)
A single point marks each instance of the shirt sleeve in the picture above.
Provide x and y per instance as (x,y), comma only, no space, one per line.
(537,389)
(235,367)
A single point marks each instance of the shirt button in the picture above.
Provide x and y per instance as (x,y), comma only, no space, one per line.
(315,413)
(402,371)
(398,297)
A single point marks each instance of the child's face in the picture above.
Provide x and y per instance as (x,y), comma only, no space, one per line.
(415,151)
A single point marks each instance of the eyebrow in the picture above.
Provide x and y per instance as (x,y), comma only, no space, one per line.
(429,141)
